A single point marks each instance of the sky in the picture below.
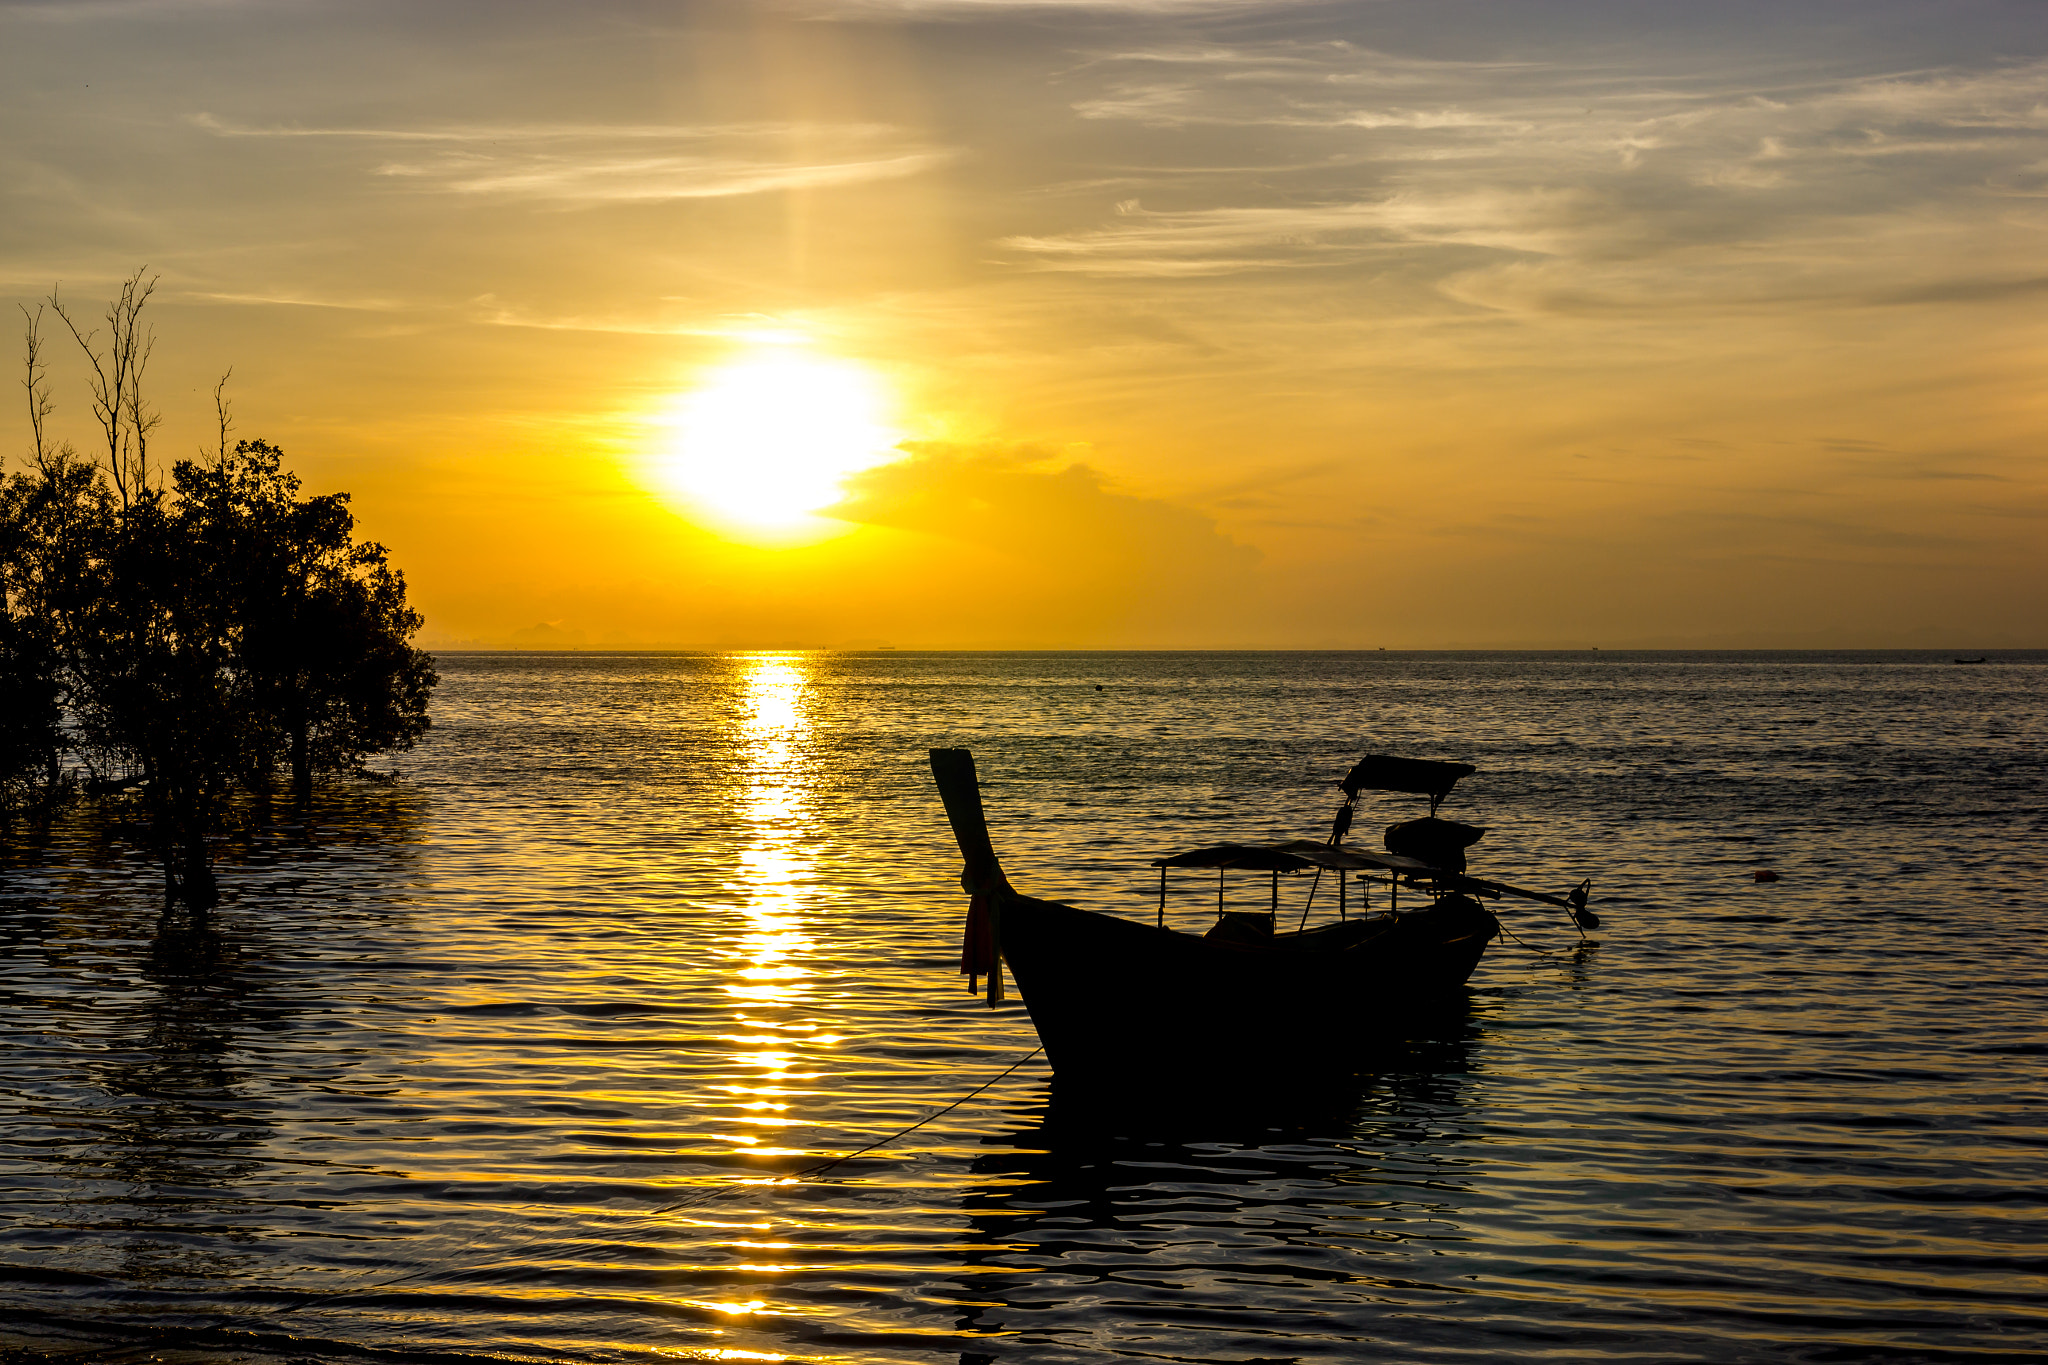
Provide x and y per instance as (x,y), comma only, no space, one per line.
(1161,324)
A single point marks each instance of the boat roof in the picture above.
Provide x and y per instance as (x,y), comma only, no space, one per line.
(1423,776)
(1299,855)
(1302,855)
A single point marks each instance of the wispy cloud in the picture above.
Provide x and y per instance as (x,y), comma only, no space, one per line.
(573,164)
(296,301)
(973,8)
(591,180)
(97,11)
(1211,241)
(1575,195)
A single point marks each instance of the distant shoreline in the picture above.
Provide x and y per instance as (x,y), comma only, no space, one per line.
(1953,654)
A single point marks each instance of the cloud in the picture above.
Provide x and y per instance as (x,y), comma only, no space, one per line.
(1537,187)
(1019,494)
(1964,289)
(975,8)
(1073,538)
(94,11)
(583,165)
(371,305)
(1209,241)
(1537,221)
(621,179)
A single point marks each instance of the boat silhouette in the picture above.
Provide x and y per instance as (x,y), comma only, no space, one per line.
(1118,1003)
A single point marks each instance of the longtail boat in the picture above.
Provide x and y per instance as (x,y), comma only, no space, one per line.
(1119,1003)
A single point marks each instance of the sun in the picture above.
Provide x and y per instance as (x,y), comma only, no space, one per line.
(764,441)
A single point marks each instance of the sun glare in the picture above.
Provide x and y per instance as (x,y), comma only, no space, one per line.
(765,441)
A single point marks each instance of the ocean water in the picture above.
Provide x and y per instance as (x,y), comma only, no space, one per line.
(536,1050)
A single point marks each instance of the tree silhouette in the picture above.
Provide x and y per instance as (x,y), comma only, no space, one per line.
(51,525)
(32,740)
(189,640)
(322,633)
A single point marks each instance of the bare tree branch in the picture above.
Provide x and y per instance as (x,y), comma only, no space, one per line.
(117,382)
(38,385)
(223,409)
(106,406)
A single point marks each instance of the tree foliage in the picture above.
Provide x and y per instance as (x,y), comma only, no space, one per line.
(217,633)
(320,627)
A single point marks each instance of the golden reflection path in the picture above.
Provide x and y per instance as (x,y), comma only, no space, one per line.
(767,979)
(771,870)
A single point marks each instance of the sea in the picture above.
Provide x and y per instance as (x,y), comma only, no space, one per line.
(620,1021)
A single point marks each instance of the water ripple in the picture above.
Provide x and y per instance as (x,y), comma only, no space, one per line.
(526,1055)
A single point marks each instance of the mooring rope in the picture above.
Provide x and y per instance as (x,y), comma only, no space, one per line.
(808,1172)
(700,1197)
(1540,952)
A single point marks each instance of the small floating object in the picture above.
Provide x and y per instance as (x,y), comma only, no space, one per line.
(1764,874)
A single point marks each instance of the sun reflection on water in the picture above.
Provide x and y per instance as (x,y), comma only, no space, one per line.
(772,869)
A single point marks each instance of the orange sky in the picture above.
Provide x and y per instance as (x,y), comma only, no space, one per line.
(1091,325)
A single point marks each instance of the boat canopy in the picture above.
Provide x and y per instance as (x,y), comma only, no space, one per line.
(1301,855)
(1424,777)
(1305,855)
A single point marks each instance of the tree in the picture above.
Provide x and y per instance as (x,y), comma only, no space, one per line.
(323,637)
(39,516)
(154,684)
(31,719)
(198,638)
(47,522)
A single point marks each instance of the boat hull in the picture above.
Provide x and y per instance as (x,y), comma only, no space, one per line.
(1117,1003)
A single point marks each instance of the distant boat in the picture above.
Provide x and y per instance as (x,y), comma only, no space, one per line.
(1978,660)
(1118,1003)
